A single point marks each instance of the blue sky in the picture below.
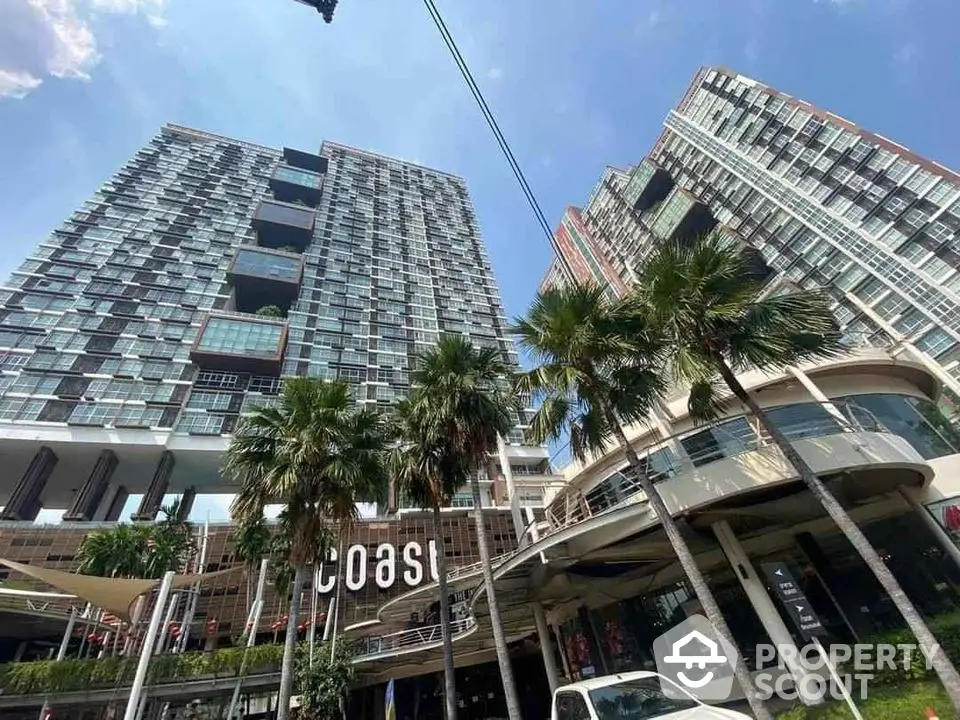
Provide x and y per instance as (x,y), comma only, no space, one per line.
(576,86)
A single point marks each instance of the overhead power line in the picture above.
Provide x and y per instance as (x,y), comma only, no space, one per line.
(495,128)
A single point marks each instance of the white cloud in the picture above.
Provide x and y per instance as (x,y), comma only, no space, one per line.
(495,73)
(17,83)
(55,38)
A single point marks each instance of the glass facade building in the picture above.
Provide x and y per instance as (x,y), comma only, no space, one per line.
(141,310)
(828,204)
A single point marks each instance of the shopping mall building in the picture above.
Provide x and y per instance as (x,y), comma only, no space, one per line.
(584,575)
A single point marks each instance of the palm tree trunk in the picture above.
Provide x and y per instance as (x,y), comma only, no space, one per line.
(290,646)
(499,639)
(945,670)
(690,569)
(449,676)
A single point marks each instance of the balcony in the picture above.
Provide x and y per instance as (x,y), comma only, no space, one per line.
(735,456)
(264,277)
(240,343)
(410,641)
(649,184)
(305,160)
(682,217)
(292,184)
(283,225)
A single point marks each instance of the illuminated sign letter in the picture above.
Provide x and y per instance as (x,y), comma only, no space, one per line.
(413,575)
(387,566)
(356,569)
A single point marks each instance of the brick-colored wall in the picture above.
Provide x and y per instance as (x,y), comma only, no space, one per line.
(224,598)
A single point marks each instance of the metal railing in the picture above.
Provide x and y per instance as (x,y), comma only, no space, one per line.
(698,448)
(409,639)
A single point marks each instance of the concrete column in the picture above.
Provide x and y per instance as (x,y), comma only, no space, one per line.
(24,502)
(110,511)
(90,495)
(546,646)
(757,594)
(507,473)
(153,498)
(818,395)
(187,498)
(563,652)
(942,536)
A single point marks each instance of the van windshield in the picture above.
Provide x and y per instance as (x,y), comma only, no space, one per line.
(637,700)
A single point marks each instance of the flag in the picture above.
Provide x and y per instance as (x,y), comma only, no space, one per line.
(391,708)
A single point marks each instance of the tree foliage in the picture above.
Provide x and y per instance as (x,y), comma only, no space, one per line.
(139,550)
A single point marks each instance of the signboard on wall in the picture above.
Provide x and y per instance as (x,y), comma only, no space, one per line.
(409,565)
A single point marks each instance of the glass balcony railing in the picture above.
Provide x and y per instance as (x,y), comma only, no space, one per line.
(647,186)
(724,439)
(425,637)
(681,216)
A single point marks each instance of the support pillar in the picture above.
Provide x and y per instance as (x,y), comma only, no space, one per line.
(942,536)
(115,507)
(546,646)
(760,600)
(514,496)
(153,498)
(90,494)
(817,394)
(563,653)
(187,498)
(24,502)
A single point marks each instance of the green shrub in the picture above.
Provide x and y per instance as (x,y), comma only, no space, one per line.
(49,676)
(888,702)
(946,628)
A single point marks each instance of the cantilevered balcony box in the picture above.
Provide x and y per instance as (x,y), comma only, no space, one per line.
(305,160)
(261,277)
(682,217)
(283,224)
(290,184)
(648,185)
(240,343)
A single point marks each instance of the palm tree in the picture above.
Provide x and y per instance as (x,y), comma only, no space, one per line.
(318,454)
(465,393)
(710,306)
(117,552)
(598,371)
(251,543)
(140,550)
(427,469)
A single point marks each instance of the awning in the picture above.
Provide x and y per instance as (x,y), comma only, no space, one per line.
(115,595)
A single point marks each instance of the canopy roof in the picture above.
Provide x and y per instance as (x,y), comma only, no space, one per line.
(115,595)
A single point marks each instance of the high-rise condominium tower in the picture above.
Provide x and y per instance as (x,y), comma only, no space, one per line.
(827,203)
(137,333)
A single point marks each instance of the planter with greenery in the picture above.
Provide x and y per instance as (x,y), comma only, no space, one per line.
(323,687)
(51,677)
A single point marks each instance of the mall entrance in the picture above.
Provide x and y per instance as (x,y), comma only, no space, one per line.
(479,690)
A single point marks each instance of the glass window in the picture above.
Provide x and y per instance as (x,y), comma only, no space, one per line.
(638,699)
(917,420)
(803,420)
(571,706)
(724,440)
(263,264)
(241,337)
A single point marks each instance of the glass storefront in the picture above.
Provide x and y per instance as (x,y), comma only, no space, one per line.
(850,603)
